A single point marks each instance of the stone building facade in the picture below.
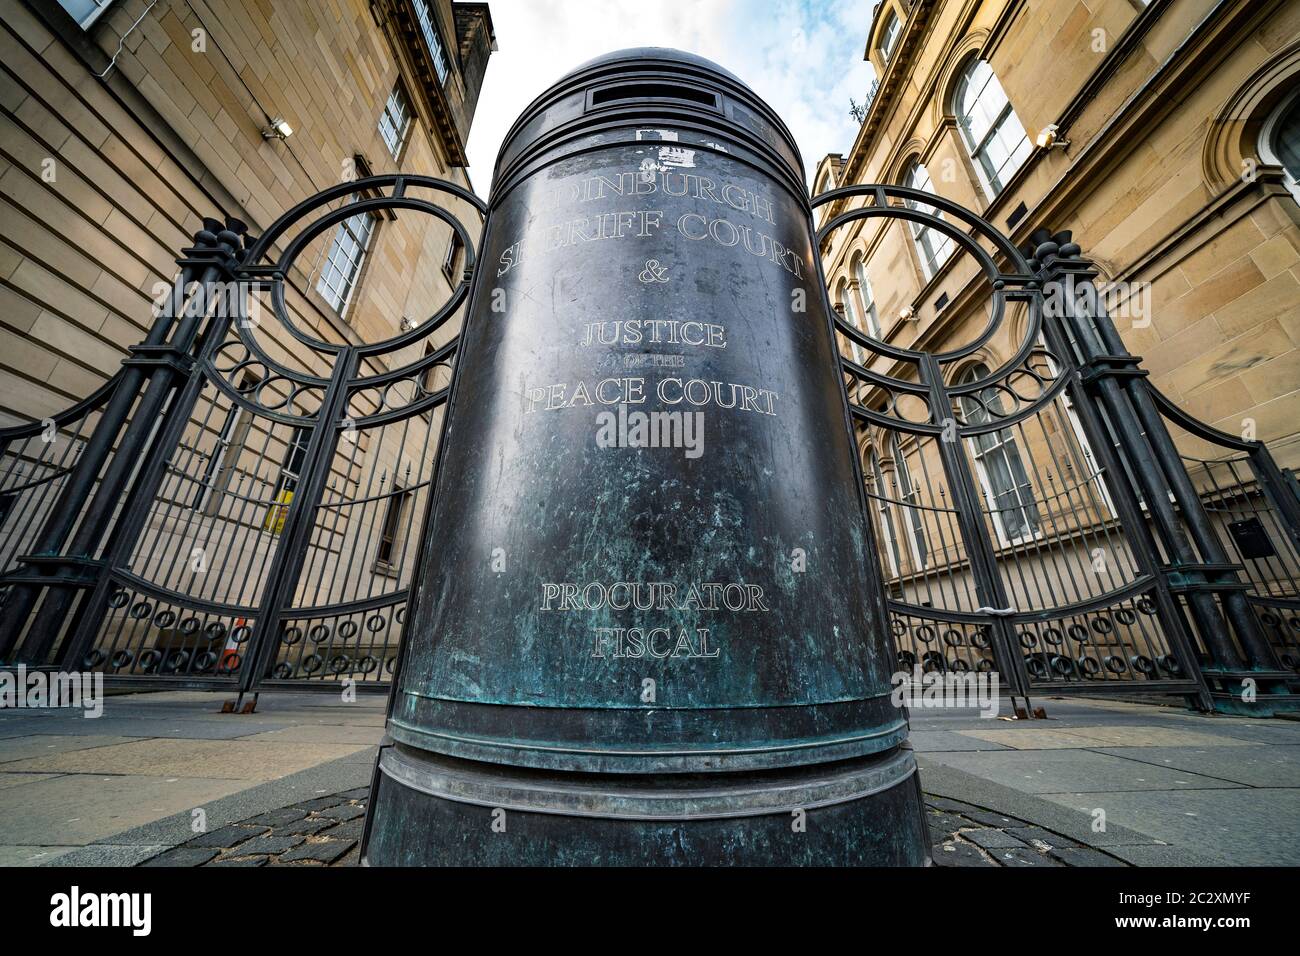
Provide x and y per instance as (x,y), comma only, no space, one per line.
(1164,135)
(125,124)
(1174,166)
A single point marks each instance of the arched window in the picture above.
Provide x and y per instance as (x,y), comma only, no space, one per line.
(868,301)
(889,34)
(933,247)
(1280,141)
(880,498)
(1007,490)
(993,133)
(845,299)
(909,497)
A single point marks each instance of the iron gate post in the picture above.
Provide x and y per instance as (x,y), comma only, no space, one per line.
(204,341)
(290,555)
(635,653)
(989,587)
(1124,494)
(153,366)
(1119,380)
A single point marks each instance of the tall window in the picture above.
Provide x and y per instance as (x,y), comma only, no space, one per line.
(216,465)
(1092,472)
(850,316)
(395,120)
(452,262)
(219,465)
(387,554)
(883,513)
(910,497)
(889,35)
(287,483)
(431,38)
(869,312)
(1007,489)
(343,262)
(1280,141)
(933,247)
(994,136)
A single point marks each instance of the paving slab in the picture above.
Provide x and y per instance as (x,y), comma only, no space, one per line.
(324,734)
(1238,827)
(1147,735)
(1258,731)
(8,780)
(31,855)
(1067,738)
(107,854)
(249,802)
(219,727)
(947,740)
(42,745)
(1254,766)
(229,759)
(76,809)
(1161,854)
(1057,771)
(944,781)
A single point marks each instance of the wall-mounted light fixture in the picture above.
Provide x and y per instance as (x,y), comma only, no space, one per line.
(278,129)
(1050,137)
(406,324)
(907,314)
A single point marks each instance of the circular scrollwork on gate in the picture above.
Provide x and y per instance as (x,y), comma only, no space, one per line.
(273,257)
(1024,380)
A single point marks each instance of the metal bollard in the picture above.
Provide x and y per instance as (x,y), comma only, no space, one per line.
(649,626)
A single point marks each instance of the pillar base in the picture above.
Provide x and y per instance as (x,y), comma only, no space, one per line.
(431,810)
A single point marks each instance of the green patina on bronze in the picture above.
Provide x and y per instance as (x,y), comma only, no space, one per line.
(647,627)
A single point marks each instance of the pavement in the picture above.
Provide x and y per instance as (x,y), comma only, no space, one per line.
(166,779)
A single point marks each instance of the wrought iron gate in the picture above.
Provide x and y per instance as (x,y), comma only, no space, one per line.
(1029,519)
(236,510)
(253,523)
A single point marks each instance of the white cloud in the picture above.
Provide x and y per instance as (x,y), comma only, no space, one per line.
(803,57)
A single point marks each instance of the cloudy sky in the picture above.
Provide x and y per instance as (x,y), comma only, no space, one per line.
(803,56)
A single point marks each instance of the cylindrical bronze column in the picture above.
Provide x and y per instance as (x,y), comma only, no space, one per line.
(649,626)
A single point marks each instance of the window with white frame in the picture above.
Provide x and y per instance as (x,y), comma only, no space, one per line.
(850,316)
(909,497)
(347,253)
(933,247)
(994,136)
(889,35)
(883,513)
(1093,475)
(85,12)
(395,120)
(869,312)
(1280,141)
(431,38)
(1001,471)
